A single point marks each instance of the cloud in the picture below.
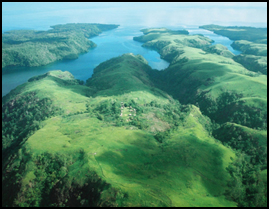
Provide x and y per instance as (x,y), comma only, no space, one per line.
(134,13)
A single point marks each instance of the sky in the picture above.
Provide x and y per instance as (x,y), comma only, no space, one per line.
(152,14)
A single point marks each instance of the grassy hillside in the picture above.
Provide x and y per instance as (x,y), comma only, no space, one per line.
(85,154)
(222,88)
(254,55)
(123,74)
(253,63)
(37,48)
(219,49)
(250,141)
(248,47)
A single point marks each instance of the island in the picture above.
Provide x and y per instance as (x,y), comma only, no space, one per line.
(29,48)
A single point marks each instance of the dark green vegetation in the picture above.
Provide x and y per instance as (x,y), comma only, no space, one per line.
(251,41)
(123,140)
(249,182)
(37,48)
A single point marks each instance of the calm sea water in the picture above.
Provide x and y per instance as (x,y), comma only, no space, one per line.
(218,39)
(109,44)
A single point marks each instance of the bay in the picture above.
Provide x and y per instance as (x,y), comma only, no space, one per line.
(110,44)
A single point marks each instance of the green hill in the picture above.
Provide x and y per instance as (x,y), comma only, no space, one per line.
(253,57)
(38,48)
(222,88)
(123,74)
(219,49)
(124,139)
(248,47)
(253,63)
(81,152)
(239,33)
(251,41)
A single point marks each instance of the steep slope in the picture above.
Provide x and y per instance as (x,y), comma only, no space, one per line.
(126,76)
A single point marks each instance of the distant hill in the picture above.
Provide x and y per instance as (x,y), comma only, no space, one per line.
(239,32)
(249,40)
(38,48)
(122,74)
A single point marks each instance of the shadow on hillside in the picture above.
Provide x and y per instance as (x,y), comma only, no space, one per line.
(161,167)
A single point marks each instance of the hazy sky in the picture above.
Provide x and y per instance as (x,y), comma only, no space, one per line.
(28,15)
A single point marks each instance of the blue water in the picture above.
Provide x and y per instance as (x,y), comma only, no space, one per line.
(109,44)
(218,39)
